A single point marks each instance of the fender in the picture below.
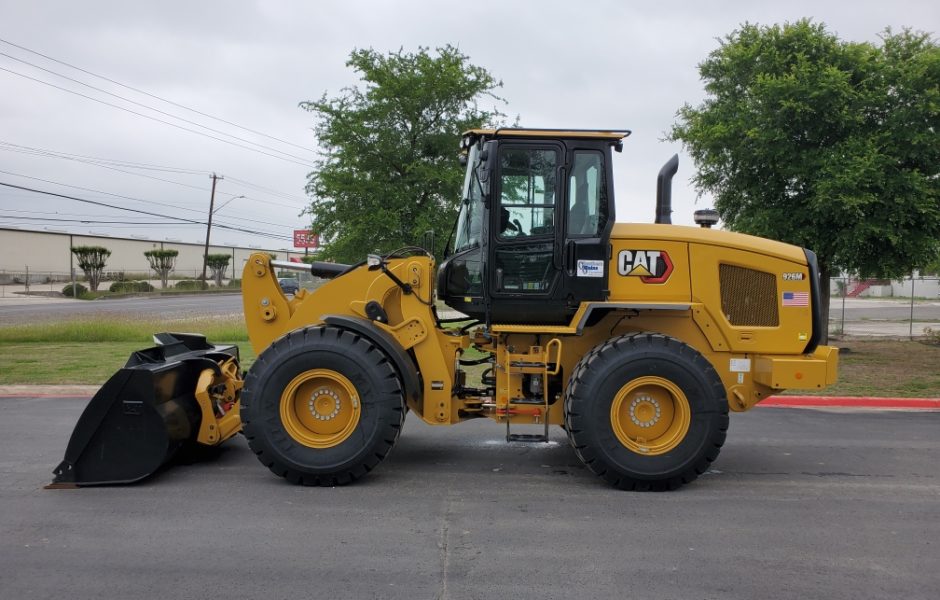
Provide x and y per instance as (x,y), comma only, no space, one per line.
(403,363)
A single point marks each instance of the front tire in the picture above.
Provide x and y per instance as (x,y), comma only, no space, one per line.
(322,406)
(646,412)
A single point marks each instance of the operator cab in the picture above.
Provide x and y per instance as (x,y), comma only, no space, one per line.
(532,236)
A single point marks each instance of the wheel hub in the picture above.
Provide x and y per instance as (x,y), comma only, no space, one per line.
(645,411)
(320,408)
(650,415)
(324,404)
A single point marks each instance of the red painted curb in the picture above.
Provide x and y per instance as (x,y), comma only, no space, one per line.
(853,401)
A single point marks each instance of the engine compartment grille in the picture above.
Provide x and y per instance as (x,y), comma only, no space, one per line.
(748,297)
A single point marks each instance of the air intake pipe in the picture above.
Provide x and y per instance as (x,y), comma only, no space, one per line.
(664,190)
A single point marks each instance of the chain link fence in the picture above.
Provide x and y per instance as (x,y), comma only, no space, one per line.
(29,282)
(884,308)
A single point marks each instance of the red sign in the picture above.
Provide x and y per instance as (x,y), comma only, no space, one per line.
(304,238)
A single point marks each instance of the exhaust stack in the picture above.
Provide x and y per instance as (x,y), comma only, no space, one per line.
(664,190)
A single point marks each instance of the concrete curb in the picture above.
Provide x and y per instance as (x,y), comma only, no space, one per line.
(48,391)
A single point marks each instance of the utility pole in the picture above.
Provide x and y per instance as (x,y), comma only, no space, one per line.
(72,264)
(205,254)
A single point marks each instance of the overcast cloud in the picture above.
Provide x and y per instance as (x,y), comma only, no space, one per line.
(603,64)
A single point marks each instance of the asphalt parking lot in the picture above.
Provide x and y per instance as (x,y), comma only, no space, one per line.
(801,504)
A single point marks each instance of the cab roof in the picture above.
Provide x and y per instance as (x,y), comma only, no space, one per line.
(611,135)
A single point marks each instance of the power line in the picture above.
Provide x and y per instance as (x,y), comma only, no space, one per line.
(139,91)
(4,147)
(271,202)
(92,221)
(56,213)
(142,105)
(107,164)
(84,189)
(111,161)
(95,202)
(271,191)
(144,212)
(133,112)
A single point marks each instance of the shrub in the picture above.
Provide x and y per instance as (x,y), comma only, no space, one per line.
(234,283)
(78,292)
(932,336)
(188,284)
(124,287)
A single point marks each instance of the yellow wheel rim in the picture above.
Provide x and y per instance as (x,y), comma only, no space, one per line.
(320,408)
(650,415)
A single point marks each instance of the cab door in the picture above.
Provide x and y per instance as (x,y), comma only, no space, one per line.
(588,220)
(525,273)
(551,214)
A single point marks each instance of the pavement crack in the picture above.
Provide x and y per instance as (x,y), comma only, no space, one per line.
(444,546)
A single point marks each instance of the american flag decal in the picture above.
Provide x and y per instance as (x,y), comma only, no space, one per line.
(796,298)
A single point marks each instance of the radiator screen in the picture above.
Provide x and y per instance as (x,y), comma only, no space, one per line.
(749,297)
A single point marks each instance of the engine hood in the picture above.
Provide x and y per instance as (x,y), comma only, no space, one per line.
(712,237)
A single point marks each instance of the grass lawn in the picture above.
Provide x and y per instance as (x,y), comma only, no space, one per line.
(88,352)
(75,362)
(876,367)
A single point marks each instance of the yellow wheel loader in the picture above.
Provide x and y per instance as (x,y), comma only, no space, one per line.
(636,339)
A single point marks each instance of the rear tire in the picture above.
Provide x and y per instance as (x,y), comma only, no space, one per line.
(322,406)
(646,412)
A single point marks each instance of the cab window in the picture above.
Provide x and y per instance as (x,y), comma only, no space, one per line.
(587,195)
(527,192)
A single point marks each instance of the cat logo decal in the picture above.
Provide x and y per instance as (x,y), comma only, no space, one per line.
(651,266)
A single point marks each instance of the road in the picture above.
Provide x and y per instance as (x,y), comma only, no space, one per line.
(20,310)
(891,309)
(883,316)
(801,504)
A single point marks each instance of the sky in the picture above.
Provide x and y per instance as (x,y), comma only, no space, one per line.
(242,68)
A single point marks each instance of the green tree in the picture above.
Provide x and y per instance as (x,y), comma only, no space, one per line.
(91,260)
(388,169)
(162,262)
(827,144)
(932,267)
(217,264)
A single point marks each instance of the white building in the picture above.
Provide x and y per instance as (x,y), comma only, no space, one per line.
(48,254)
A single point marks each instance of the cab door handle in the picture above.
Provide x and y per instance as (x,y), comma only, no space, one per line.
(571,257)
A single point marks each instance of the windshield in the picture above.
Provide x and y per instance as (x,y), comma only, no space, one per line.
(470,219)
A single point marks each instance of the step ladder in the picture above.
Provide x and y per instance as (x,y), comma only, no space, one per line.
(537,363)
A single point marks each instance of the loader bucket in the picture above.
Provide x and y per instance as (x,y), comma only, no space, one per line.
(151,409)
